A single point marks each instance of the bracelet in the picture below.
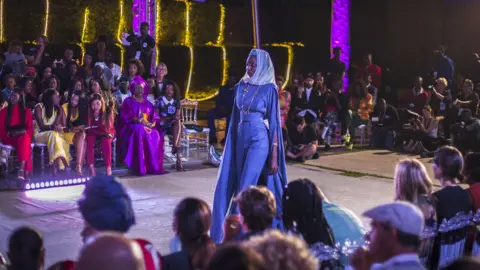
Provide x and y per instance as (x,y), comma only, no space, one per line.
(275,144)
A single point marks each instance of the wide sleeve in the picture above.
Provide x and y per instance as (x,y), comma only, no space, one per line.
(275,131)
(127,111)
(153,117)
(28,122)
(227,180)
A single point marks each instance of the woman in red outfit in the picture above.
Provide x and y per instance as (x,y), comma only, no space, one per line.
(100,125)
(16,129)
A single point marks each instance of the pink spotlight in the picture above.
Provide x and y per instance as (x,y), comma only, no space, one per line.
(340,31)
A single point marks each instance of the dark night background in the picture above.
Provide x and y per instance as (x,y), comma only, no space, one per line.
(401,34)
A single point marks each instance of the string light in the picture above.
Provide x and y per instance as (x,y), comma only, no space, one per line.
(289,46)
(158,30)
(85,24)
(1,21)
(220,40)
(47,15)
(121,23)
(188,43)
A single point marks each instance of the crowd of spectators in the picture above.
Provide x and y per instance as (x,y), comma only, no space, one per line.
(315,229)
(77,111)
(318,109)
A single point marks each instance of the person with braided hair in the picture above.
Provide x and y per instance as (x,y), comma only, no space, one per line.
(17,130)
(307,212)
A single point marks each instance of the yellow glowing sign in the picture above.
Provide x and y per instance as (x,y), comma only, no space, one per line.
(121,23)
(158,30)
(289,46)
(1,21)
(47,15)
(220,39)
(85,25)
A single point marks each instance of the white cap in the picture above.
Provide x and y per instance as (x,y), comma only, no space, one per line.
(403,216)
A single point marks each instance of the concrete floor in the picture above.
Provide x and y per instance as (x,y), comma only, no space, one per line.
(54,213)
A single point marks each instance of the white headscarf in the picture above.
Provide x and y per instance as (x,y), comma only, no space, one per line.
(265,73)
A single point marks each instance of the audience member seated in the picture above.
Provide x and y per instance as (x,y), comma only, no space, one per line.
(303,215)
(285,99)
(413,185)
(111,251)
(471,172)
(236,257)
(257,208)
(368,67)
(451,198)
(122,93)
(49,125)
(139,142)
(161,79)
(372,90)
(106,206)
(441,104)
(423,137)
(135,72)
(330,107)
(466,134)
(31,99)
(416,99)
(26,250)
(467,99)
(74,132)
(169,110)
(10,84)
(191,223)
(15,59)
(223,108)
(360,106)
(16,130)
(303,142)
(393,240)
(283,252)
(385,121)
(306,100)
(100,124)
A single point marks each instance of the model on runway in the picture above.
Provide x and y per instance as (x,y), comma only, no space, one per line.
(254,148)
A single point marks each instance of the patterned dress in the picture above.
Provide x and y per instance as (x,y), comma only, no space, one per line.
(57,146)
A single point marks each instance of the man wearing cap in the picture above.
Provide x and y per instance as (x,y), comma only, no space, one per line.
(394,238)
(106,206)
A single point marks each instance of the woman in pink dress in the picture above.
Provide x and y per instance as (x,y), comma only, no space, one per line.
(140,142)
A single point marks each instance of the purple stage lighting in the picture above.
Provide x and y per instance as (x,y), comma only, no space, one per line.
(56,183)
(340,31)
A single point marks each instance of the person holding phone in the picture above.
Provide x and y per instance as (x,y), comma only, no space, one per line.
(16,130)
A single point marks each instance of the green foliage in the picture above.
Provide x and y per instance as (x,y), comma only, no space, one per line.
(172,22)
(25,19)
(204,22)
